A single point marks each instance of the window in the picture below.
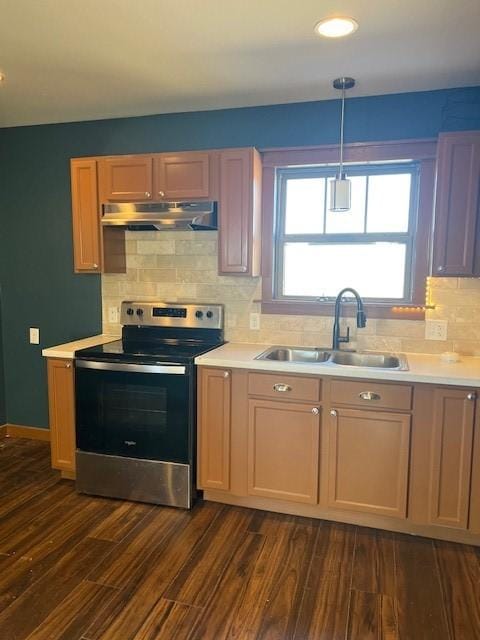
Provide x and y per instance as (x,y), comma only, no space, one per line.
(370,247)
(381,246)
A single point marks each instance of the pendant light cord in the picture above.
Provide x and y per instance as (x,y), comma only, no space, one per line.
(341,132)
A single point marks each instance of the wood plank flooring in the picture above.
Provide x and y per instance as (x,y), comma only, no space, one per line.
(74,567)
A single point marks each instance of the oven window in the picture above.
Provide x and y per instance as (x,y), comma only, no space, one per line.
(138,415)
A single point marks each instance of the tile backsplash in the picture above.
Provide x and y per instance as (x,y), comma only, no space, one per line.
(182,265)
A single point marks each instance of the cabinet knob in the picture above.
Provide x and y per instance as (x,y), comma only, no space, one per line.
(68,365)
(281,388)
(226,374)
(243,269)
(369,395)
(333,412)
(315,411)
(95,265)
(472,396)
(440,268)
(161,194)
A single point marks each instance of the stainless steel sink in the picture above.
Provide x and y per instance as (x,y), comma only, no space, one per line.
(374,360)
(293,354)
(325,357)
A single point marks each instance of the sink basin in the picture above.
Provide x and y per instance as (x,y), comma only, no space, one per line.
(292,354)
(325,357)
(374,360)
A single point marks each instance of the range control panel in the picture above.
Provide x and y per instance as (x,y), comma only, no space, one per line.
(172,314)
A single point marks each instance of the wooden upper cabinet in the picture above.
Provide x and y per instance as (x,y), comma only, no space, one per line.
(456,229)
(182,176)
(451,459)
(239,212)
(283,450)
(368,461)
(85,216)
(61,404)
(125,178)
(214,409)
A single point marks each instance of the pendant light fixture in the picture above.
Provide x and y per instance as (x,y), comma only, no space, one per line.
(341,187)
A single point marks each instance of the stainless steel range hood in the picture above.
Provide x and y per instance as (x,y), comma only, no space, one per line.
(162,216)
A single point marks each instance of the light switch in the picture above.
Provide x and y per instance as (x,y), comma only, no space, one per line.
(34,335)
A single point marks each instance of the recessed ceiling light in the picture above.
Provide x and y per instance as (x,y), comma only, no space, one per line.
(336,27)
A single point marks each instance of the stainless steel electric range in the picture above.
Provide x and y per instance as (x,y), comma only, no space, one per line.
(136,403)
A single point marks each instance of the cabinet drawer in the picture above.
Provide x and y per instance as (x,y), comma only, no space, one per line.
(371,394)
(281,387)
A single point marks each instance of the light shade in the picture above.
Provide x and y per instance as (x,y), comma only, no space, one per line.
(336,27)
(340,194)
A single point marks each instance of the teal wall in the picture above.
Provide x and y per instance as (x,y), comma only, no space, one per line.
(38,286)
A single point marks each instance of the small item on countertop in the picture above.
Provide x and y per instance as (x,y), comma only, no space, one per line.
(450,356)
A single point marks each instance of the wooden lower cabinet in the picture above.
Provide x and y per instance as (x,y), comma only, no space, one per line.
(368,455)
(451,459)
(61,404)
(283,450)
(214,420)
(410,465)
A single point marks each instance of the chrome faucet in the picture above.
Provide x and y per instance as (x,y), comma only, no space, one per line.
(361,318)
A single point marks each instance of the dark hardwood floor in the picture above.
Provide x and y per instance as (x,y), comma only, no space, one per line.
(75,567)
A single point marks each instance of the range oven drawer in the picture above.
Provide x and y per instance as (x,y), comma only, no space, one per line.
(134,410)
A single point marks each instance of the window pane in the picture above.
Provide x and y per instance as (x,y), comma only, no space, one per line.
(352,221)
(305,205)
(376,270)
(388,203)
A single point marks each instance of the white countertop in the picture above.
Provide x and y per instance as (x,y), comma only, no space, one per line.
(68,349)
(422,367)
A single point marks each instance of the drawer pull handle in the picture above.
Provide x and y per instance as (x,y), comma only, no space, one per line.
(369,395)
(281,388)
(130,443)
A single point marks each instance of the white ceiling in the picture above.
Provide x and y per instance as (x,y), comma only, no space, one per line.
(67,60)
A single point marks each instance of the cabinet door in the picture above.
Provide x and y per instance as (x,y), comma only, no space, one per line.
(283,450)
(61,403)
(456,227)
(214,429)
(368,458)
(126,178)
(239,212)
(85,216)
(451,462)
(181,175)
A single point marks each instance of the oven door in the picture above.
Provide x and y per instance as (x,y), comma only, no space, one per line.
(134,410)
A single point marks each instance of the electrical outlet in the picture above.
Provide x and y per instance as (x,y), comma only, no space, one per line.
(34,335)
(255,321)
(436,329)
(113,315)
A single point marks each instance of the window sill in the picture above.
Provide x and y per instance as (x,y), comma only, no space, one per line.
(386,311)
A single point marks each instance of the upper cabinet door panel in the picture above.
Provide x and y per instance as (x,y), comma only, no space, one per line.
(85,216)
(456,205)
(239,210)
(126,178)
(182,175)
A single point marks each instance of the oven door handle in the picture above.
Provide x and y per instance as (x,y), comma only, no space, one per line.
(170,369)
